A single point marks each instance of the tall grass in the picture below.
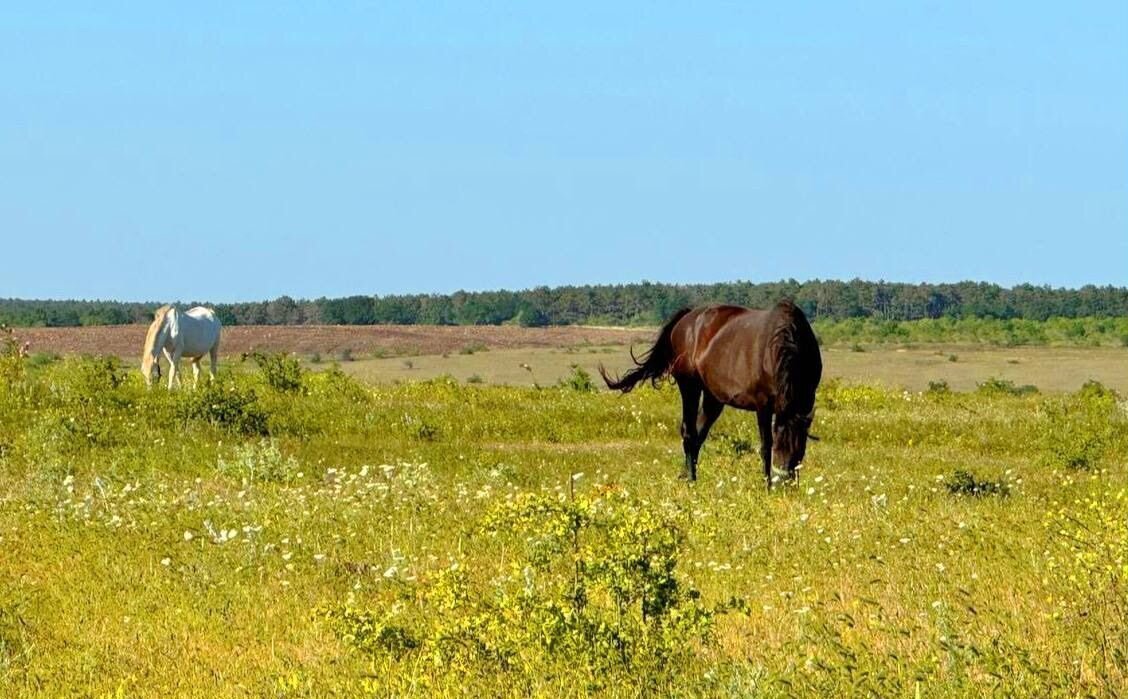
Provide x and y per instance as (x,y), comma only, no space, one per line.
(270,538)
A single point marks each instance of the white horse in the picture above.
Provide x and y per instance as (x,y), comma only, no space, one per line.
(192,333)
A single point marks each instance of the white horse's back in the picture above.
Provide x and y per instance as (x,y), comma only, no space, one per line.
(200,328)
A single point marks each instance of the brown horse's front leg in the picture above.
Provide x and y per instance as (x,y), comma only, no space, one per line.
(764,421)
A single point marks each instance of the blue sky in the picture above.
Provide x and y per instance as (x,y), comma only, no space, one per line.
(239,151)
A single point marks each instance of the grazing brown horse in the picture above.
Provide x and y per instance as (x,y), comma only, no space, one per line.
(765,361)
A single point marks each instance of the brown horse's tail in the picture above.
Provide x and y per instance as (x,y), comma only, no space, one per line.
(653,364)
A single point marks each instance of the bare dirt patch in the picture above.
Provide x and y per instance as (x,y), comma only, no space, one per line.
(365,340)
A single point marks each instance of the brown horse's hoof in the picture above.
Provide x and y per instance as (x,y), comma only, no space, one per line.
(687,476)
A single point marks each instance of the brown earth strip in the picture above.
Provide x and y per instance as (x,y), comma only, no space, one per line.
(359,340)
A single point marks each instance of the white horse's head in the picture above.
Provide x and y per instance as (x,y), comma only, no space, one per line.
(154,341)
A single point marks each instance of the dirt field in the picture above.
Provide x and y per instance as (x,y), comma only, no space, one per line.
(334,340)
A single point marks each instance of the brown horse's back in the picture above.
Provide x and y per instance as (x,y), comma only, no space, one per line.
(724,348)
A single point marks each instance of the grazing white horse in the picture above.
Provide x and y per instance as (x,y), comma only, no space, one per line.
(192,333)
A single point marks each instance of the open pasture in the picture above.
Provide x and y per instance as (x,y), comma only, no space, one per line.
(288,533)
(963,367)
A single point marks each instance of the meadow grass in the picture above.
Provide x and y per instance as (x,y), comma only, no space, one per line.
(258,537)
(963,367)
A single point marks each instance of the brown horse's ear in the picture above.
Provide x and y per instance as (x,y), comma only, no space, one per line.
(811,436)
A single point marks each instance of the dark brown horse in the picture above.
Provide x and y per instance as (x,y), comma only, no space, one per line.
(765,361)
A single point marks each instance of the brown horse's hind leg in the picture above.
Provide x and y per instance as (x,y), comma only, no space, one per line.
(691,400)
(710,410)
(764,421)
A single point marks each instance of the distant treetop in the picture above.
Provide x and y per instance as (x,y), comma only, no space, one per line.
(644,303)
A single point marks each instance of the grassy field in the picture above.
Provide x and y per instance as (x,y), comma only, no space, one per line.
(962,366)
(286,533)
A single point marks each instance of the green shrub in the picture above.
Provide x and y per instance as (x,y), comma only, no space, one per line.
(940,387)
(419,428)
(997,386)
(280,371)
(334,382)
(963,482)
(261,461)
(1082,428)
(578,380)
(594,595)
(231,406)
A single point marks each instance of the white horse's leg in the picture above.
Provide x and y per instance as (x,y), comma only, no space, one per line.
(174,370)
(214,356)
(168,358)
(195,372)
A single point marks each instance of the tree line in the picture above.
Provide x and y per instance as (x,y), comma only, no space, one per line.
(643,303)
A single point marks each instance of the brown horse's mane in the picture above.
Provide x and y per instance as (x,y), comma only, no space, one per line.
(798,366)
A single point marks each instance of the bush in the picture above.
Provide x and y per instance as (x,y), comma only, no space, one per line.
(260,461)
(578,380)
(996,386)
(965,483)
(593,598)
(1082,428)
(231,406)
(280,371)
(419,428)
(938,387)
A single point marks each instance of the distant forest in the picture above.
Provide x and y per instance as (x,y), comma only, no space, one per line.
(628,304)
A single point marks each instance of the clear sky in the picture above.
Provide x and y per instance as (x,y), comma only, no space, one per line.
(241,150)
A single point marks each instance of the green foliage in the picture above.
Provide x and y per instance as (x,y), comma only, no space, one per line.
(963,482)
(281,371)
(261,461)
(420,428)
(579,380)
(1021,315)
(233,406)
(997,386)
(1081,429)
(938,388)
(595,590)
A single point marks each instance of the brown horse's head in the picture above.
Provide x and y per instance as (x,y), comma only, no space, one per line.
(789,441)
